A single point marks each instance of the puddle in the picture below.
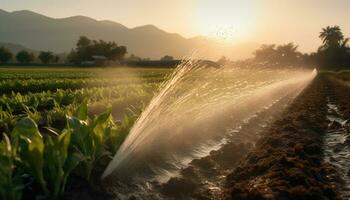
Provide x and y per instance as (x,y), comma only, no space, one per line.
(337,149)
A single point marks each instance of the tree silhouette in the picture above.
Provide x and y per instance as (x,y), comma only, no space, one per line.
(83,42)
(46,56)
(24,57)
(344,43)
(267,52)
(332,37)
(56,59)
(281,54)
(334,51)
(167,58)
(86,50)
(288,53)
(5,55)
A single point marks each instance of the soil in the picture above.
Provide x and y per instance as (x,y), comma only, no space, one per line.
(204,178)
(288,161)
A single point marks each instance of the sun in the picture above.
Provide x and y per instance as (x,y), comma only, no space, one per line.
(224,19)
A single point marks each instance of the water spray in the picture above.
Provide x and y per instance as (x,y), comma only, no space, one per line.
(194,107)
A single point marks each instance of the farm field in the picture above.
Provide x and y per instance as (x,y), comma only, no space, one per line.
(44,111)
(174,100)
(62,126)
(292,149)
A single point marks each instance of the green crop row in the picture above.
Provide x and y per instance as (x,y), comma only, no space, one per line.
(50,158)
(50,108)
(47,100)
(78,73)
(22,75)
(53,131)
(40,85)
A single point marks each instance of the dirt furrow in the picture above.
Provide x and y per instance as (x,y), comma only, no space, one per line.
(287,162)
(204,178)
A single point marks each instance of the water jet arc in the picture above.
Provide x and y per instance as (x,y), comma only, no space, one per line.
(195,107)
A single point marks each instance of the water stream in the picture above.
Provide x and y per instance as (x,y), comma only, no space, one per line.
(192,114)
(208,173)
(337,147)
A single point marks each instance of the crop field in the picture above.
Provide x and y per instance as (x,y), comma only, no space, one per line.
(63,127)
(58,124)
(174,100)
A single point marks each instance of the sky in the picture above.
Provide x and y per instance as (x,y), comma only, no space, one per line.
(244,21)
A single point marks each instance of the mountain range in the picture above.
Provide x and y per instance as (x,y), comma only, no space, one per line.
(39,32)
(15,48)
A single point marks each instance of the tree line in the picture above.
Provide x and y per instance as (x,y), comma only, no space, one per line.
(334,52)
(27,57)
(280,54)
(86,50)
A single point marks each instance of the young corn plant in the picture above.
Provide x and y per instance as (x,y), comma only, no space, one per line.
(30,146)
(32,113)
(117,134)
(49,161)
(7,120)
(88,137)
(10,183)
(59,163)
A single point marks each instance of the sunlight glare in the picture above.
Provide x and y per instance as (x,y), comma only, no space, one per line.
(228,20)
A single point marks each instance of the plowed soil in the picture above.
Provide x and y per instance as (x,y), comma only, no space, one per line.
(288,161)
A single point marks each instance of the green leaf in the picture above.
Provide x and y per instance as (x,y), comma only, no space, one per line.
(82,139)
(52,131)
(81,112)
(10,185)
(73,160)
(56,153)
(31,148)
(100,123)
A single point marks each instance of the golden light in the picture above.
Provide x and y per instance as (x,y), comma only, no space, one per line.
(224,19)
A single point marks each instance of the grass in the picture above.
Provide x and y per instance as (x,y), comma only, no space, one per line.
(343,75)
(66,120)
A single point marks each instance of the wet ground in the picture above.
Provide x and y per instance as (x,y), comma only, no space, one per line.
(288,161)
(337,148)
(204,178)
(337,139)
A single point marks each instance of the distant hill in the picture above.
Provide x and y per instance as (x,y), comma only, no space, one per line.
(15,48)
(40,32)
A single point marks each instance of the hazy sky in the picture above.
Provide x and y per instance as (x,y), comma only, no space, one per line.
(252,21)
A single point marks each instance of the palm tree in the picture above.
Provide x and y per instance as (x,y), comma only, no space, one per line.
(344,44)
(332,36)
